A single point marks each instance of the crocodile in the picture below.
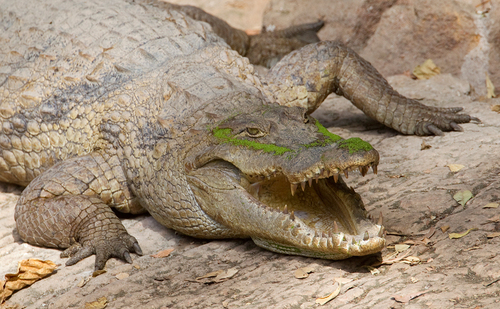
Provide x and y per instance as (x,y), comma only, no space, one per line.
(124,106)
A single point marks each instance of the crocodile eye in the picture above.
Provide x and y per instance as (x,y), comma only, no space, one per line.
(254,132)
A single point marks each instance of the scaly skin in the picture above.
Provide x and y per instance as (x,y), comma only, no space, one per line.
(115,104)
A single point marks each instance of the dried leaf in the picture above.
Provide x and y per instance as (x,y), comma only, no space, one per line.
(303,272)
(406,298)
(217,276)
(28,272)
(98,272)
(493,235)
(121,276)
(100,303)
(462,197)
(491,205)
(401,248)
(425,146)
(496,108)
(489,87)
(444,228)
(83,282)
(460,235)
(426,70)
(412,260)
(163,253)
(324,300)
(225,275)
(455,167)
(414,280)
(372,270)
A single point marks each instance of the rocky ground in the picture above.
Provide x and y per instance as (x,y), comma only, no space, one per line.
(414,190)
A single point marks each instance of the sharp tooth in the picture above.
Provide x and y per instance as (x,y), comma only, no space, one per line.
(303,185)
(380,219)
(353,241)
(343,238)
(268,177)
(316,178)
(346,174)
(292,216)
(381,232)
(364,170)
(326,173)
(366,236)
(310,180)
(336,177)
(293,187)
(335,227)
(323,235)
(374,167)
(321,172)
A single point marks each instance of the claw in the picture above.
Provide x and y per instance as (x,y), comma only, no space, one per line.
(434,130)
(126,257)
(475,119)
(456,127)
(137,249)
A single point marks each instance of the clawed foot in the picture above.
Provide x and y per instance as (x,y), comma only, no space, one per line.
(118,246)
(437,120)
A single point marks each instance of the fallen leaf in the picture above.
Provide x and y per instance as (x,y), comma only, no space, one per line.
(496,108)
(460,235)
(462,197)
(414,280)
(411,260)
(98,272)
(100,303)
(121,276)
(372,270)
(406,298)
(401,248)
(489,87)
(455,167)
(217,276)
(163,253)
(83,282)
(425,146)
(303,272)
(491,205)
(493,235)
(426,70)
(444,228)
(28,272)
(324,300)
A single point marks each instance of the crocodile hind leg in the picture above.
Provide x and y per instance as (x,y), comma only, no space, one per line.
(68,207)
(307,76)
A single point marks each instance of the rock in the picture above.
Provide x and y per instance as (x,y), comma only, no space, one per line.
(397,35)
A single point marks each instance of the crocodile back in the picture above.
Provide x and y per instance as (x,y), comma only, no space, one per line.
(74,73)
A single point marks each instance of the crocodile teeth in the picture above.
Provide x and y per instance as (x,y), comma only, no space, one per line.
(285,211)
(346,173)
(310,181)
(303,185)
(292,216)
(380,219)
(316,178)
(363,170)
(381,232)
(374,167)
(336,177)
(293,187)
(366,236)
(353,241)
(335,227)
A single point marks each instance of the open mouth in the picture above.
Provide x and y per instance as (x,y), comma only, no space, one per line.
(313,213)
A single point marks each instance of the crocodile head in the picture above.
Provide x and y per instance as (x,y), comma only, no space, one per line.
(274,174)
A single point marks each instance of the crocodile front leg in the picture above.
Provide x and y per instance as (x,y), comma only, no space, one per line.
(68,206)
(307,76)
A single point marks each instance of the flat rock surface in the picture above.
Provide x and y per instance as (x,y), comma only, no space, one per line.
(414,190)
